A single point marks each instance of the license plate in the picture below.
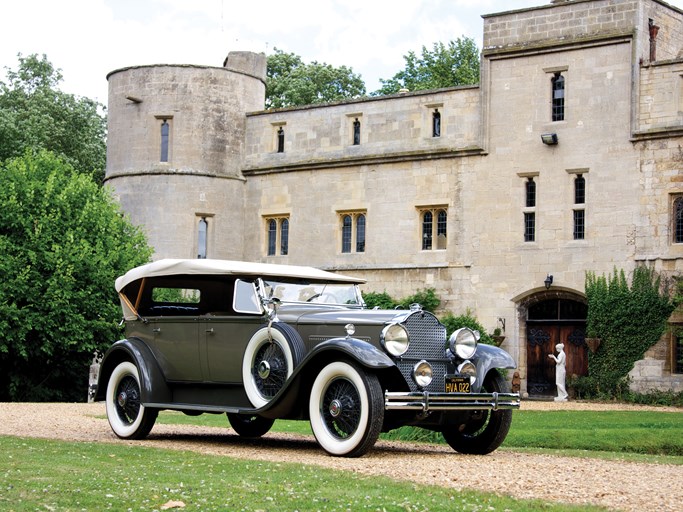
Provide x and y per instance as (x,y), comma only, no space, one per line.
(455,384)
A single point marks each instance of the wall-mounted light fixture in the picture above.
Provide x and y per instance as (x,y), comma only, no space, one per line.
(549,138)
(548,281)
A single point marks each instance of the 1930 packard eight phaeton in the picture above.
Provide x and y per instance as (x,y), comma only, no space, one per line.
(262,342)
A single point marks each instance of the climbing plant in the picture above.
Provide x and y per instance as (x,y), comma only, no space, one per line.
(628,319)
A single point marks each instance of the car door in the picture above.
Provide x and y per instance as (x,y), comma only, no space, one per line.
(225,339)
(175,341)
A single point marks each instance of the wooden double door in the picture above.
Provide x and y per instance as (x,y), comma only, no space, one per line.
(549,323)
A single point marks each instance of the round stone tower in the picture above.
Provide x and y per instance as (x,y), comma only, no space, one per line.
(175,143)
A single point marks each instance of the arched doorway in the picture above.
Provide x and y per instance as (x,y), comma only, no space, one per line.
(551,321)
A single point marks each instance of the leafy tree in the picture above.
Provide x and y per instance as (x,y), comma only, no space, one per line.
(628,320)
(35,114)
(454,323)
(456,63)
(63,241)
(290,82)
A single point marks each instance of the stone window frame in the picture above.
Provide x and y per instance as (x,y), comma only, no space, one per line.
(353,235)
(279,136)
(277,234)
(676,221)
(354,125)
(428,119)
(555,112)
(433,227)
(528,206)
(677,349)
(165,146)
(208,235)
(579,202)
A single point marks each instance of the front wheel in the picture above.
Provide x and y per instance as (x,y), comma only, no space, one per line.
(128,418)
(250,426)
(485,430)
(346,409)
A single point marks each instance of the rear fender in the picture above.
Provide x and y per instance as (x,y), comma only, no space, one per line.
(152,382)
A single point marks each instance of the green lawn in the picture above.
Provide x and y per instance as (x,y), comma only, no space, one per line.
(47,475)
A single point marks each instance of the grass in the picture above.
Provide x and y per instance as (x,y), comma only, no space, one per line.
(40,474)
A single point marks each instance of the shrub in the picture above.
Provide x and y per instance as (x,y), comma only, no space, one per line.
(628,320)
(63,242)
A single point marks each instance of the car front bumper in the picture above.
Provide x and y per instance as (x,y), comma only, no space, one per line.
(426,401)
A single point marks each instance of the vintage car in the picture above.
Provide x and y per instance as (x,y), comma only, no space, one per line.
(261,342)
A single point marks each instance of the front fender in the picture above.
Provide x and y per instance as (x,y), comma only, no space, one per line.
(488,357)
(152,382)
(361,351)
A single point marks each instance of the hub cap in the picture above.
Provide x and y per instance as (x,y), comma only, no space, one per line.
(263,369)
(335,408)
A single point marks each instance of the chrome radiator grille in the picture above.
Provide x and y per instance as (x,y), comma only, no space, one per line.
(428,342)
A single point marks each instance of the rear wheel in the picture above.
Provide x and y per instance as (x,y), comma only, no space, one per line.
(346,409)
(128,418)
(486,430)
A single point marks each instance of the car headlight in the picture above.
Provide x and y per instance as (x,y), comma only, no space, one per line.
(395,339)
(468,369)
(463,342)
(422,374)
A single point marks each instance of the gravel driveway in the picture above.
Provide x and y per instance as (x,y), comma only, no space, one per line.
(617,485)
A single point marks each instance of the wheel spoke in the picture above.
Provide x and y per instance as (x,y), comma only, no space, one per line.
(272,354)
(342,398)
(128,407)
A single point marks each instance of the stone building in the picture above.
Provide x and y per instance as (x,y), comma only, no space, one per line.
(566,158)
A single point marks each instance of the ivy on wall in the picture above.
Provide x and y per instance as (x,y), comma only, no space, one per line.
(628,319)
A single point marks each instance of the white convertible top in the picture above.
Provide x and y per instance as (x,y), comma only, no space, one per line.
(170,267)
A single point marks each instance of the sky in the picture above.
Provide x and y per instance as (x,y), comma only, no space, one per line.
(87,39)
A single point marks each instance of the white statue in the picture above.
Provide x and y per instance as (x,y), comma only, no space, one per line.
(560,372)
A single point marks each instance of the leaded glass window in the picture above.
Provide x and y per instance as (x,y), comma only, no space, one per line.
(557,82)
(530,193)
(678,220)
(579,190)
(272,237)
(579,224)
(165,136)
(202,232)
(347,227)
(356,132)
(277,236)
(281,140)
(529,226)
(436,123)
(360,233)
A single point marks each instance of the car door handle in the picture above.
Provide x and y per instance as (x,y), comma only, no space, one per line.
(156,330)
(210,331)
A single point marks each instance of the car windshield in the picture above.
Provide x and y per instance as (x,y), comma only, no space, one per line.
(315,293)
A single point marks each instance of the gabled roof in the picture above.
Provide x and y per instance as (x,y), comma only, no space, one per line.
(170,267)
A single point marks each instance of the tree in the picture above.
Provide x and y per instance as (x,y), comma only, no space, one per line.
(290,82)
(35,114)
(63,241)
(444,66)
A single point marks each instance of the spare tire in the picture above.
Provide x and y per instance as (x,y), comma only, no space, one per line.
(269,359)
